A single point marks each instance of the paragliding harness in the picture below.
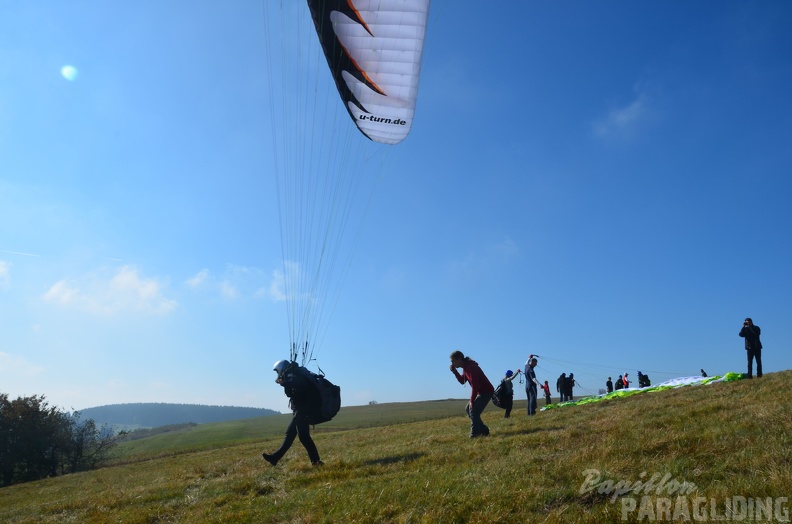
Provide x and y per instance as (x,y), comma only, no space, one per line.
(500,397)
(329,395)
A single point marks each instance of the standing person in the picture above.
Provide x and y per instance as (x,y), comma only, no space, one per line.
(753,346)
(305,402)
(546,388)
(625,381)
(480,394)
(620,383)
(703,373)
(609,385)
(561,388)
(508,392)
(531,384)
(570,385)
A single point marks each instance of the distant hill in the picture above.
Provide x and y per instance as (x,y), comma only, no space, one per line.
(152,415)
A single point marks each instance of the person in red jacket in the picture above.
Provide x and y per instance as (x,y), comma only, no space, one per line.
(546,388)
(480,394)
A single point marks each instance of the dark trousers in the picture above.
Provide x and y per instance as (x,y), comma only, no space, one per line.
(532,394)
(751,354)
(474,410)
(508,404)
(547,400)
(298,427)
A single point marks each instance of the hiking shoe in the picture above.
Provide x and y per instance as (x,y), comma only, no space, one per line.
(270,458)
(317,463)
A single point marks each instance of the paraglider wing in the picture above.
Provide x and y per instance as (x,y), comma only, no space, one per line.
(373,48)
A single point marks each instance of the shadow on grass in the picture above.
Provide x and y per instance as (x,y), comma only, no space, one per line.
(395,459)
(509,432)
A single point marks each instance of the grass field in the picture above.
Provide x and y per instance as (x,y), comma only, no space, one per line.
(711,453)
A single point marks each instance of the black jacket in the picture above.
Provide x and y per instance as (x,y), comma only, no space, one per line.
(751,336)
(303,394)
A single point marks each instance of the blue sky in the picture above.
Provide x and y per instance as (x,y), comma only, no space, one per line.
(604,184)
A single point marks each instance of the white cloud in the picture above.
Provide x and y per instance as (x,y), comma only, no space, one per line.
(5,273)
(228,290)
(125,291)
(235,282)
(277,289)
(199,279)
(18,366)
(623,120)
(240,282)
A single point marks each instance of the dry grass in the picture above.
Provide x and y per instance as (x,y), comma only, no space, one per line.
(728,439)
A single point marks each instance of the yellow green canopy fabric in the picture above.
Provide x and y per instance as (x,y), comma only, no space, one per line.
(669,384)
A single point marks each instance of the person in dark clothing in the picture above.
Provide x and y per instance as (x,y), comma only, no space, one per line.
(508,389)
(481,391)
(305,403)
(570,385)
(619,383)
(561,388)
(531,385)
(753,346)
(703,373)
(643,380)
(609,385)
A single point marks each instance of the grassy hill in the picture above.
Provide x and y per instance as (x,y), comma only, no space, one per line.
(155,414)
(225,434)
(704,450)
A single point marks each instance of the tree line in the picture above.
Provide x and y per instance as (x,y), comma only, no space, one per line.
(38,441)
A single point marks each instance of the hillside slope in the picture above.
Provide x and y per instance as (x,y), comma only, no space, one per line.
(716,452)
(150,415)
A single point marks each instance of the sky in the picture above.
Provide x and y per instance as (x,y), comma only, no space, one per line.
(603,184)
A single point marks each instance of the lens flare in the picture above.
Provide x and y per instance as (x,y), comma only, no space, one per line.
(69,73)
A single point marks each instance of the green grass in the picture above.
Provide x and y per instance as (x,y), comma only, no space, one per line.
(225,434)
(413,462)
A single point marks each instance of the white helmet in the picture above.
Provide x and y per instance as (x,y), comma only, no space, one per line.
(280,366)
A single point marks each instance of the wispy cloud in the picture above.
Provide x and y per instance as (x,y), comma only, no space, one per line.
(123,292)
(483,259)
(18,366)
(228,290)
(244,282)
(283,282)
(198,280)
(233,283)
(505,248)
(276,289)
(5,273)
(624,120)
(18,253)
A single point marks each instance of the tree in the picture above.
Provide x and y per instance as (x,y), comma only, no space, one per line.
(88,446)
(38,440)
